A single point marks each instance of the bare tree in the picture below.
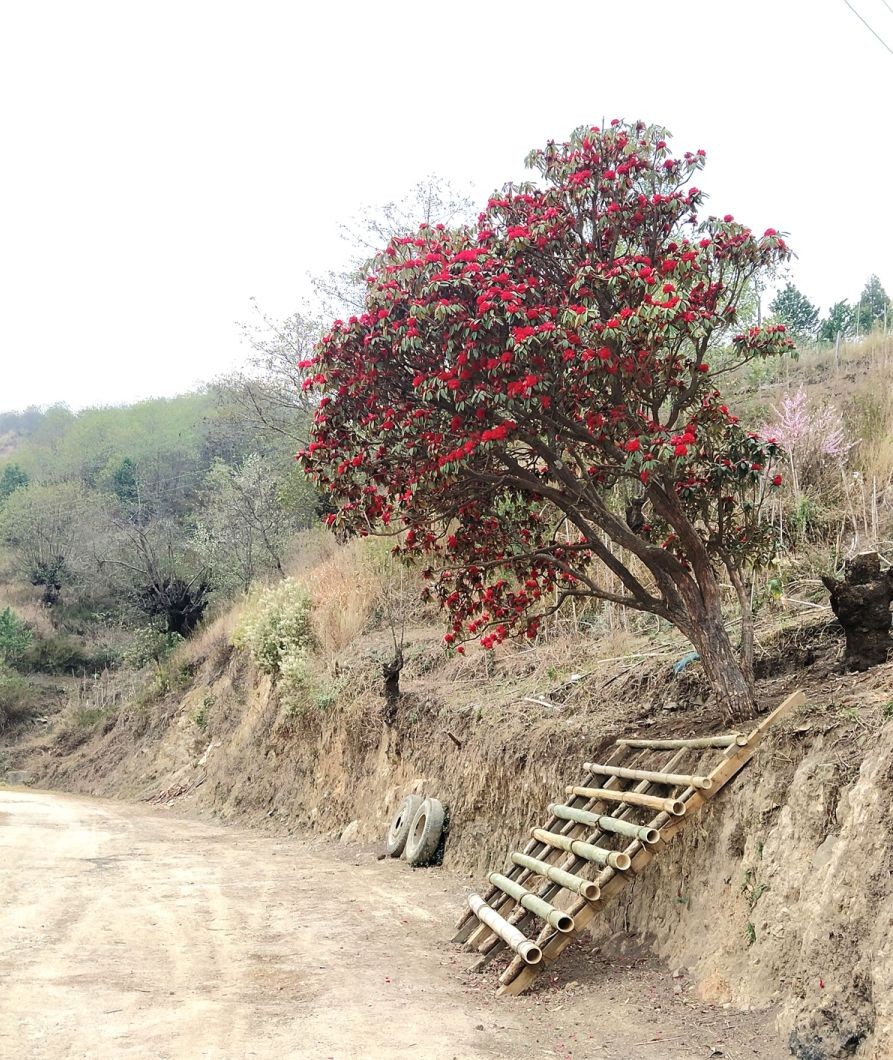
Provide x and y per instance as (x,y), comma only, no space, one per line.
(165,578)
(431,201)
(244,527)
(266,400)
(50,530)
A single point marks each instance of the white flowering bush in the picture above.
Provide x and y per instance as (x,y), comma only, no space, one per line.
(298,680)
(276,628)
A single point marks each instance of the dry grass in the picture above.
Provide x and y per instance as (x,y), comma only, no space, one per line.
(355,587)
(213,638)
(95,698)
(343,594)
(308,550)
(24,601)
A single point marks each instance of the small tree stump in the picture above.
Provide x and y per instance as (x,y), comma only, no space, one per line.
(390,671)
(861,603)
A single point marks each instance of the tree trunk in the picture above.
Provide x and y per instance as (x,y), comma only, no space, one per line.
(729,672)
(733,688)
(747,631)
(390,671)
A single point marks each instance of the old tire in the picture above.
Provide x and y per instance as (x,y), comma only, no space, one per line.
(399,829)
(424,833)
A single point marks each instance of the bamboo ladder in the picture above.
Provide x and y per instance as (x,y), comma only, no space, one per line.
(595,840)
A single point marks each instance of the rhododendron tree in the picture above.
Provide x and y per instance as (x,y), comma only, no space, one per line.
(529,402)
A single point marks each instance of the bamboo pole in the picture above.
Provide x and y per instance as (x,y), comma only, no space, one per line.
(605,823)
(516,977)
(699,741)
(466,925)
(632,798)
(585,888)
(615,858)
(528,900)
(674,780)
(573,862)
(528,951)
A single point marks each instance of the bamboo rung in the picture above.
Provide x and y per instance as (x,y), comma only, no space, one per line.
(556,918)
(528,951)
(675,780)
(644,833)
(615,858)
(632,798)
(585,888)
(700,741)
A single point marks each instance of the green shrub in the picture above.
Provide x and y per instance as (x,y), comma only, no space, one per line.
(326,697)
(297,681)
(59,654)
(276,630)
(150,645)
(19,700)
(15,636)
(87,717)
(62,654)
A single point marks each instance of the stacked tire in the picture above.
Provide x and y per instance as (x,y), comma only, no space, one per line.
(416,830)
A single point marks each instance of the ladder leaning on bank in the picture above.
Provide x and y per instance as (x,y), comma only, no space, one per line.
(607,829)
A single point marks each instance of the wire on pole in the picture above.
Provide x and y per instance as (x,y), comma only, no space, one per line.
(868,25)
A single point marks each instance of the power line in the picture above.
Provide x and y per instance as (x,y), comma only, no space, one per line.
(887,6)
(868,25)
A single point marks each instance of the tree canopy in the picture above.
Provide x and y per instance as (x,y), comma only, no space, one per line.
(795,311)
(530,399)
(873,306)
(13,478)
(841,320)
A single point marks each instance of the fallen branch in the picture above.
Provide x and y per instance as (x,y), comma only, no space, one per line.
(541,701)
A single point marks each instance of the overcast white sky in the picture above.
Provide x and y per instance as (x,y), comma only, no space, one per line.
(164,162)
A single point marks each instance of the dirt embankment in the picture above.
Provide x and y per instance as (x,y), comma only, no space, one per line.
(780,893)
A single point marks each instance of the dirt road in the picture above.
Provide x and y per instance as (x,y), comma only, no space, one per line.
(128,931)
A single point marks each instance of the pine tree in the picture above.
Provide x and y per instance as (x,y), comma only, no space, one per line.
(874,306)
(793,309)
(841,320)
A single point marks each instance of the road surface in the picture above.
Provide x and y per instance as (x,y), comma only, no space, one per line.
(129,931)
